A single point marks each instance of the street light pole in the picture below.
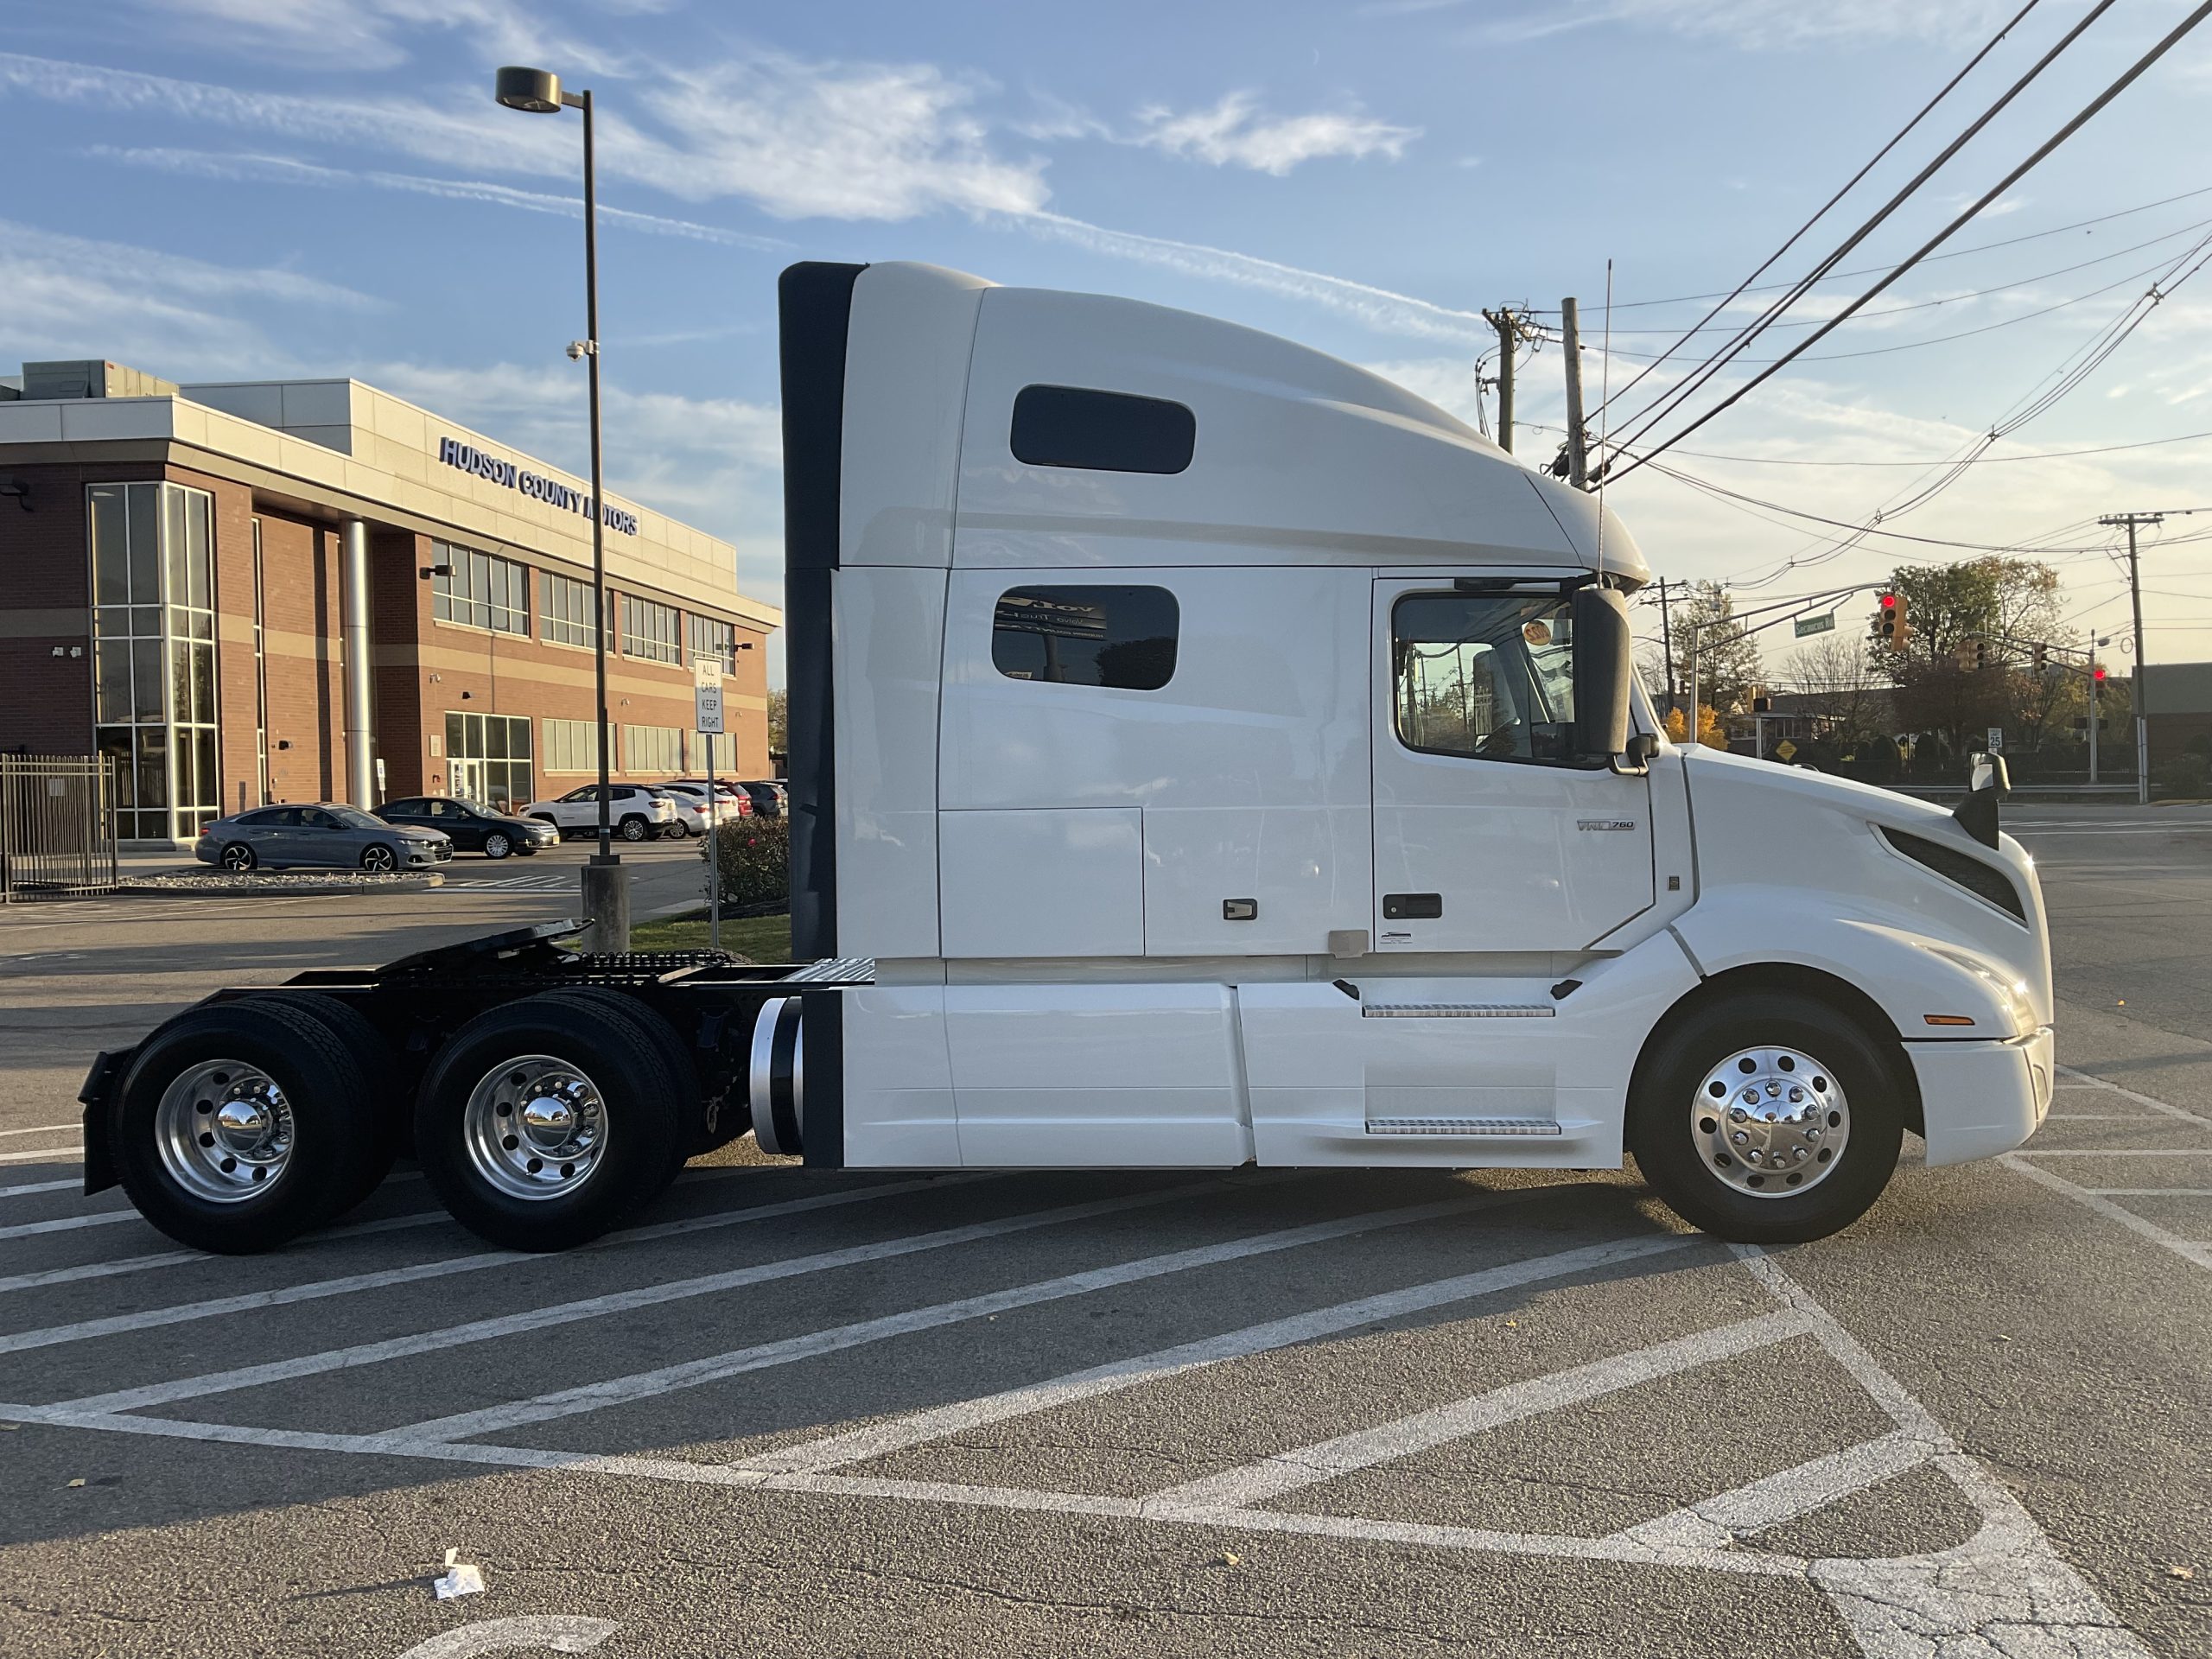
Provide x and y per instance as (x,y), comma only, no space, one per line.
(605,887)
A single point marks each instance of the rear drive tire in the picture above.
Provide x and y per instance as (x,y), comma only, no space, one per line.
(377,1067)
(549,1121)
(1767,1117)
(240,1125)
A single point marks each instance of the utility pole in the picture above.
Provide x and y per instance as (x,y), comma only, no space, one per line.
(1509,327)
(2135,676)
(2096,710)
(1666,644)
(1577,459)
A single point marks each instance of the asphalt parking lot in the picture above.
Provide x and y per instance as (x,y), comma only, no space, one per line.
(1401,1414)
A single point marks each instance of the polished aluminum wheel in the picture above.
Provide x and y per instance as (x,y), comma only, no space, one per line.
(535,1127)
(377,859)
(224,1130)
(1771,1122)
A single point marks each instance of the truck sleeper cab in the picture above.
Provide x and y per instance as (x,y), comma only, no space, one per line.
(1205,753)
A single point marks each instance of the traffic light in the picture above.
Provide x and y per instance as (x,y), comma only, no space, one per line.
(2097,675)
(1889,622)
(1980,655)
(2041,659)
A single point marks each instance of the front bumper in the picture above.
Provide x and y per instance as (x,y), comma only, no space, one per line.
(440,854)
(1979,1099)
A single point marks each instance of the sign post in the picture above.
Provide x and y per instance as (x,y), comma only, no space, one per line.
(707,719)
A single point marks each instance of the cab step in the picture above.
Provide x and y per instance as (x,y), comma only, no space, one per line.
(1497,1126)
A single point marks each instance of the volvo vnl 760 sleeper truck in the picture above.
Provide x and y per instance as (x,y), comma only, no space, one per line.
(1203,753)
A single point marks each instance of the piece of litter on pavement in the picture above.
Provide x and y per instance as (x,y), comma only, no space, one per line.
(78,1482)
(2180,1572)
(1228,1558)
(460,1578)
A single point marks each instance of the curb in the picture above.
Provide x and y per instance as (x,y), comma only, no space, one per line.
(251,889)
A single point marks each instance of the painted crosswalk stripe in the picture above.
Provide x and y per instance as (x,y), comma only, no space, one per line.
(880,1440)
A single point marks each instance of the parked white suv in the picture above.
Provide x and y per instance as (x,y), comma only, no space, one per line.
(635,812)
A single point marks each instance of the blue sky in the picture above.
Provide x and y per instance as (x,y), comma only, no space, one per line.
(224,188)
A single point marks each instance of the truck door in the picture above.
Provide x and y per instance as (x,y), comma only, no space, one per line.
(1490,833)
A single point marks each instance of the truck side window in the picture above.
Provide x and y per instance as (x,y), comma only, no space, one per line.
(1121,638)
(1101,431)
(1487,676)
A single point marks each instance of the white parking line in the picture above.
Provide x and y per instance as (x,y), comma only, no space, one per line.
(184,1314)
(50,1128)
(25,1191)
(67,1223)
(2197,1255)
(1307,1465)
(593,1307)
(2151,1191)
(2164,1109)
(1724,1521)
(624,1390)
(53,1155)
(880,1440)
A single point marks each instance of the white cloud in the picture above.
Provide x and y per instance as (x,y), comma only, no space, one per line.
(1751,25)
(283,170)
(1236,132)
(367,34)
(1380,308)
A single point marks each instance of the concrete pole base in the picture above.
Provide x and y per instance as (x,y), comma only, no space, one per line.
(606,905)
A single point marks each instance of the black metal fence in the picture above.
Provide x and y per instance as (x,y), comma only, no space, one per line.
(57,825)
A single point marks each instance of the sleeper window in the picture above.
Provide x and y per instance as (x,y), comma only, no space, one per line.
(1120,637)
(1487,676)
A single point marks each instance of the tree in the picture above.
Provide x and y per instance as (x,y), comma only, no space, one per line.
(1967,661)
(1709,732)
(1726,661)
(778,722)
(1834,680)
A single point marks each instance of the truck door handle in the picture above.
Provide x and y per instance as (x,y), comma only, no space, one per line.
(1412,907)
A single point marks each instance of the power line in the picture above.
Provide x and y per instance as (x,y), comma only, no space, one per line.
(2089,112)
(1668,402)
(1852,183)
(1985,460)
(1933,258)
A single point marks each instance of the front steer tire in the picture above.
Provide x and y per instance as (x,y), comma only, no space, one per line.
(1688,1165)
(208,1053)
(504,1108)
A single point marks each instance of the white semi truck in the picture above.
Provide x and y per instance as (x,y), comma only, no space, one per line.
(1203,753)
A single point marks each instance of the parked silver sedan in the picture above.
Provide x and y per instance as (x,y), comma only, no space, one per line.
(321,833)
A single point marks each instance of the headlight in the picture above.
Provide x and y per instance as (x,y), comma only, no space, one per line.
(2011,992)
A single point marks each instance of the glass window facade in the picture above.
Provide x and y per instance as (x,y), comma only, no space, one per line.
(571,746)
(654,749)
(488,760)
(709,638)
(154,687)
(568,610)
(649,631)
(480,590)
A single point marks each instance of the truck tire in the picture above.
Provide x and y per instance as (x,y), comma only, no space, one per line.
(1767,1117)
(376,1065)
(546,1123)
(240,1125)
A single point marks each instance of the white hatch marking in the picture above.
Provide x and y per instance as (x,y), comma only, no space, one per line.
(29,1187)
(55,1155)
(880,1440)
(1307,1465)
(2197,1255)
(712,1368)
(1724,1521)
(622,1301)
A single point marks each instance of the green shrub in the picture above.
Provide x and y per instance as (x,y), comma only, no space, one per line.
(2183,774)
(755,858)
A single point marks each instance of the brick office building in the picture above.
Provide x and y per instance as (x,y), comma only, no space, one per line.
(277,591)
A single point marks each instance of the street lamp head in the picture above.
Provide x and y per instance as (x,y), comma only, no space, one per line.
(535,91)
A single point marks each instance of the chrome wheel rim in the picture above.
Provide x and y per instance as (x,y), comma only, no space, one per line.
(535,1127)
(223,1131)
(1771,1122)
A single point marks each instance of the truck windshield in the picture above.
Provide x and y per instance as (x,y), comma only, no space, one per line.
(1487,676)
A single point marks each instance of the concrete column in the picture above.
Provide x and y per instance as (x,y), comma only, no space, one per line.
(354,569)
